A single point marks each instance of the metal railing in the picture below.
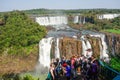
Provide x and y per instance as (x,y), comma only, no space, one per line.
(106,72)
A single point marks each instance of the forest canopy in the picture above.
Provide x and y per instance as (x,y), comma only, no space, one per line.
(17,31)
(43,11)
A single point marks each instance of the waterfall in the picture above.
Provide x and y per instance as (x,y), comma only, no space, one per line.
(105,54)
(103,46)
(76,19)
(45,48)
(113,45)
(86,49)
(52,20)
(84,21)
(44,51)
(89,48)
(46,22)
(79,19)
(57,52)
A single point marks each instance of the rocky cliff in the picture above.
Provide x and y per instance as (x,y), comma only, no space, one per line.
(15,64)
(71,46)
(113,42)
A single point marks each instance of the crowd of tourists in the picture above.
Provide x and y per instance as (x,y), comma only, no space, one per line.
(75,68)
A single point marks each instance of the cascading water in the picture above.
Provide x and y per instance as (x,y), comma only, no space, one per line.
(103,46)
(79,19)
(87,49)
(84,20)
(113,45)
(105,53)
(45,46)
(44,53)
(57,52)
(52,20)
(76,19)
(84,48)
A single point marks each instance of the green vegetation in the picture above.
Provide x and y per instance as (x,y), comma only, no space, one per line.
(115,63)
(70,11)
(96,24)
(26,76)
(19,33)
(105,25)
(112,31)
(112,25)
(29,77)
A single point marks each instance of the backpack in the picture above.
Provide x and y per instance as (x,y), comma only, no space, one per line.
(58,70)
(76,64)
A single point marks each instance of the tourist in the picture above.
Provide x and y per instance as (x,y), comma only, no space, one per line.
(58,69)
(75,68)
(63,59)
(94,70)
(77,64)
(73,71)
(67,71)
(51,75)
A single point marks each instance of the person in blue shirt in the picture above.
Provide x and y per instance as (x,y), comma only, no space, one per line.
(67,71)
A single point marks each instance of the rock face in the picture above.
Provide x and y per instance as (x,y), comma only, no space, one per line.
(95,46)
(70,46)
(113,42)
(17,64)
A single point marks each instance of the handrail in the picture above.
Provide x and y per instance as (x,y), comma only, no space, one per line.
(107,72)
(112,70)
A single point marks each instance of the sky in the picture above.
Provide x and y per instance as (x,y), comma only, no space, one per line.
(10,5)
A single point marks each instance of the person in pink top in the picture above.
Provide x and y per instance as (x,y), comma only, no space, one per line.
(73,71)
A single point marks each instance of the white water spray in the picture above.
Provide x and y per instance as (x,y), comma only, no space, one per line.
(52,20)
(76,19)
(79,19)
(57,52)
(89,48)
(86,49)
(44,51)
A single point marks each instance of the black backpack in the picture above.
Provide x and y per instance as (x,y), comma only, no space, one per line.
(76,64)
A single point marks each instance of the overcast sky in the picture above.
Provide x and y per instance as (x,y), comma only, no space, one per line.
(9,5)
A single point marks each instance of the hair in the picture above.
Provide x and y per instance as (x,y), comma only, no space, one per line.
(51,64)
(57,59)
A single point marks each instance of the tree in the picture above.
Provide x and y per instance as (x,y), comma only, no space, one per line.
(19,30)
